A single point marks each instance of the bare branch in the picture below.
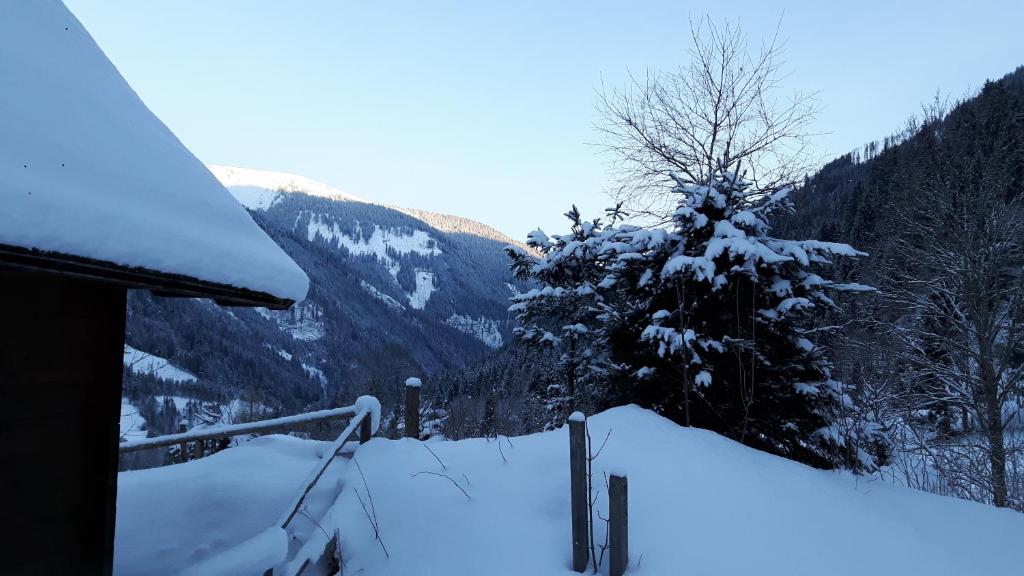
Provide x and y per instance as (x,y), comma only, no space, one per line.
(719,111)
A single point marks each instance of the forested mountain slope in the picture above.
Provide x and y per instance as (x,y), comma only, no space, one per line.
(393,293)
(857,198)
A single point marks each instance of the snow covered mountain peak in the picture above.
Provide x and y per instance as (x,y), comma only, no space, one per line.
(260,189)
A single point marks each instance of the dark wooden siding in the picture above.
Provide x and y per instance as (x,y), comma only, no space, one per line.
(61,342)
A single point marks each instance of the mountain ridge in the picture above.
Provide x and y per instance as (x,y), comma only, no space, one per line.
(258,189)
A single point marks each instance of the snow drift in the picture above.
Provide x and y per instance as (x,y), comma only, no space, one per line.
(699,504)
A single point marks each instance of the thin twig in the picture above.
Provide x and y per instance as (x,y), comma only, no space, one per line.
(373,524)
(502,452)
(595,560)
(598,453)
(374,521)
(449,478)
(305,512)
(443,467)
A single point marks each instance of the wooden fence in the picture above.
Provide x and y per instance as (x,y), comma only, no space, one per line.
(221,434)
(360,426)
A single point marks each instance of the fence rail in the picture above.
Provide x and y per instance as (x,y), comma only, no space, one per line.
(361,425)
(228,431)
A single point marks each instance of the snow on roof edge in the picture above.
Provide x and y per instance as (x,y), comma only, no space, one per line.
(88,171)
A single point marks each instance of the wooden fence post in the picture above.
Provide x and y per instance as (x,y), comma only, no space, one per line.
(183,447)
(618,524)
(332,552)
(412,408)
(366,429)
(578,490)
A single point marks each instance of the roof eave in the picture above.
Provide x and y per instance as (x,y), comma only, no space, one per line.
(160,283)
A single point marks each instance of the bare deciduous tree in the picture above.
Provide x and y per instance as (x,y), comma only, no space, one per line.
(962,298)
(721,109)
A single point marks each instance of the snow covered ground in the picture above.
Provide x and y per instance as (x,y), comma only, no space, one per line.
(699,504)
(132,424)
(424,288)
(377,243)
(140,362)
(314,372)
(388,300)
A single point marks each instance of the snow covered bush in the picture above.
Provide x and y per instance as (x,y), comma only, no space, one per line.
(709,320)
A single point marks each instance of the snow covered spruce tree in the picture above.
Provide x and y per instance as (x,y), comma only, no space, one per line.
(708,321)
(561,309)
(716,321)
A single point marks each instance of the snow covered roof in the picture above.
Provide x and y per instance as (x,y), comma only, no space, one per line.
(89,175)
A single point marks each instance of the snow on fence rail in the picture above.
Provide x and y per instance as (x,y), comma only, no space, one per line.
(362,423)
(266,550)
(228,431)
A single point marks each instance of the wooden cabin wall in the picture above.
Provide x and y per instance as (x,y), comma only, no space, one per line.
(61,345)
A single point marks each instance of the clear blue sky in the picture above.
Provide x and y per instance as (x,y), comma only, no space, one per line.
(484,109)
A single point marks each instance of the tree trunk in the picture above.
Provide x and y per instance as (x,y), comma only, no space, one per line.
(686,374)
(994,430)
(997,458)
(997,448)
